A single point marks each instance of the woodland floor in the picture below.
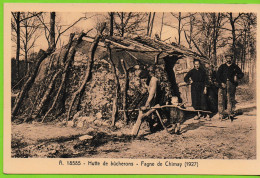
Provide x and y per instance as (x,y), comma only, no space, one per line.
(200,139)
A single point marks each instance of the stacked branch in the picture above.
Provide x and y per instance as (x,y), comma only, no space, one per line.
(66,68)
(87,77)
(45,97)
(63,77)
(29,82)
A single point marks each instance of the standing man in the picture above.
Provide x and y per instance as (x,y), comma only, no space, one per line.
(227,76)
(197,78)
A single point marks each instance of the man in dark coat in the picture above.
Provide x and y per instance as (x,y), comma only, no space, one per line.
(227,76)
(198,78)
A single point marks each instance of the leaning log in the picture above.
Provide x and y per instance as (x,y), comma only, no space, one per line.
(29,82)
(115,102)
(125,91)
(63,76)
(67,65)
(91,55)
(46,96)
(139,120)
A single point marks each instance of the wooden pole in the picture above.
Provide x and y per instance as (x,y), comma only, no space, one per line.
(139,120)
(160,119)
(115,103)
(125,91)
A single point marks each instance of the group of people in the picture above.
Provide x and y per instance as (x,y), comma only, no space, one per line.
(214,91)
(211,90)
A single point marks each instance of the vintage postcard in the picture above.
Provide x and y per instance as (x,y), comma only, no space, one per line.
(131,89)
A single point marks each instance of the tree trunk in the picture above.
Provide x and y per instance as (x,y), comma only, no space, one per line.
(122,24)
(232,23)
(191,30)
(214,40)
(52,29)
(25,48)
(91,54)
(148,24)
(125,91)
(111,23)
(18,42)
(151,26)
(161,27)
(179,28)
(28,84)
(188,38)
(244,49)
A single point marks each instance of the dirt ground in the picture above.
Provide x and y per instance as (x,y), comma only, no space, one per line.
(199,139)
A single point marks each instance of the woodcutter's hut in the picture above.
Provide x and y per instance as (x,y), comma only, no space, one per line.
(58,86)
(177,59)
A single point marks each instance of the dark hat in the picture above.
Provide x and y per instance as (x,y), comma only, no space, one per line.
(228,55)
(196,60)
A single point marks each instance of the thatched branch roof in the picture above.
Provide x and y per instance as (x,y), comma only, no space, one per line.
(139,49)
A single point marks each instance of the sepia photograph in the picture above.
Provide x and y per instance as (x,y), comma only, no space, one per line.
(133,85)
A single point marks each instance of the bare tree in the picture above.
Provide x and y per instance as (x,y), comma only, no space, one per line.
(246,43)
(16,23)
(49,28)
(191,24)
(111,30)
(181,24)
(216,20)
(52,29)
(29,35)
(128,22)
(151,25)
(54,33)
(30,80)
(161,26)
(233,21)
(205,30)
(148,24)
(16,27)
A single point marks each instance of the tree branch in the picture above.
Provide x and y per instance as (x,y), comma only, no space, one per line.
(43,23)
(15,18)
(170,25)
(31,16)
(197,47)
